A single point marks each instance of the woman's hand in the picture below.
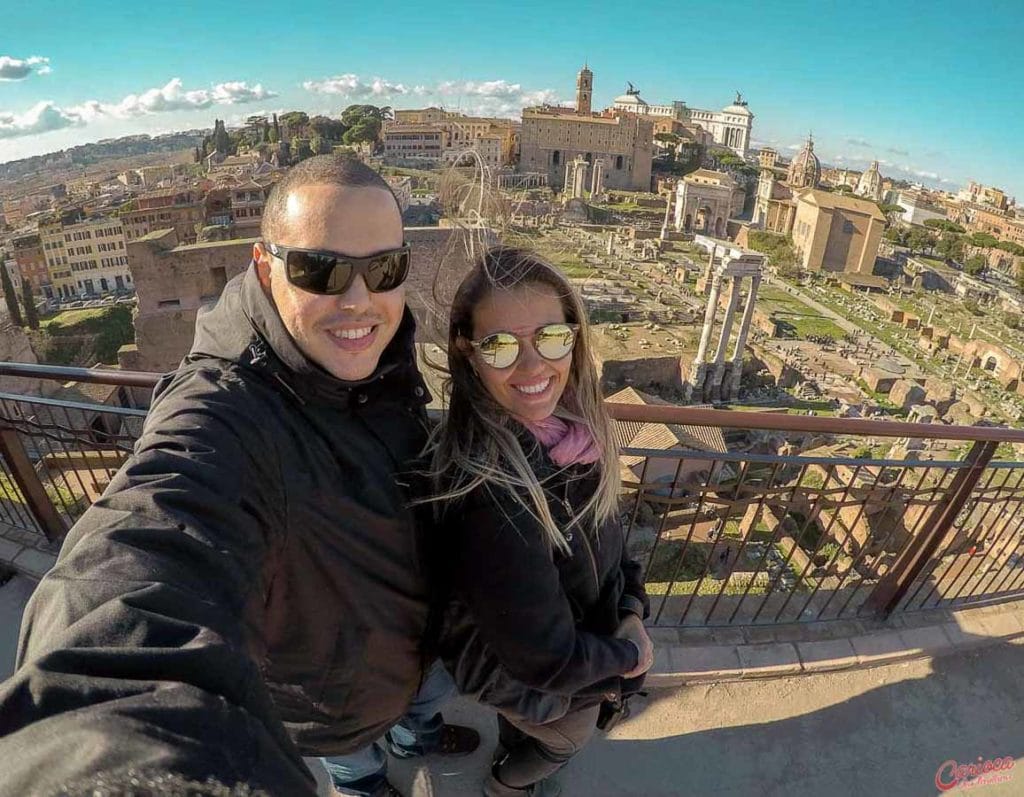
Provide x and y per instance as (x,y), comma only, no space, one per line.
(632,628)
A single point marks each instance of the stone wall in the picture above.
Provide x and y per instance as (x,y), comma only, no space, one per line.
(651,374)
(15,347)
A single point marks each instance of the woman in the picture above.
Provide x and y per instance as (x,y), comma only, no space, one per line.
(546,620)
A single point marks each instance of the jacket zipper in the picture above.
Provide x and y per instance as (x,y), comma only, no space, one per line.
(583,534)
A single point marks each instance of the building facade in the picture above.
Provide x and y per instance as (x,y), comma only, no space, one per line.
(730,127)
(27,250)
(63,283)
(705,201)
(97,256)
(179,207)
(555,136)
(437,134)
(836,232)
(917,208)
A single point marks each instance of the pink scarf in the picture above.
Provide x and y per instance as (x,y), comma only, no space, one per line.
(568,443)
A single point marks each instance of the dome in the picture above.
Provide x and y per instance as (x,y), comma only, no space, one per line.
(870,183)
(805,168)
(631,97)
(739,106)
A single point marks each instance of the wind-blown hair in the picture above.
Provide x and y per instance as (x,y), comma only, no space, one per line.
(476,445)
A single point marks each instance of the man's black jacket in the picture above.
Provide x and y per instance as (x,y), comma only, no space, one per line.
(252,564)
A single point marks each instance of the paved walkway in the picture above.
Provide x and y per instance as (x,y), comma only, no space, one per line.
(882,731)
(879,731)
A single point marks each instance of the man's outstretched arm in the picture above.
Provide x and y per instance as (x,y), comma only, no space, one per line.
(138,648)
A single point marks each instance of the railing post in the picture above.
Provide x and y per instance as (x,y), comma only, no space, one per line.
(892,588)
(31,487)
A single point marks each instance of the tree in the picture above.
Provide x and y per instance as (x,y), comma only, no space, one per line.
(221,140)
(275,131)
(293,123)
(920,240)
(328,129)
(31,315)
(9,296)
(363,123)
(975,265)
(944,225)
(1011,247)
(951,247)
(319,145)
(779,250)
(300,149)
(983,239)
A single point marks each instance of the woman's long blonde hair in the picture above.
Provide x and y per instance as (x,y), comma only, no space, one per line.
(476,445)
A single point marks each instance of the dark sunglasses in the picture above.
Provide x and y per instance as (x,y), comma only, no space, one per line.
(502,349)
(320,271)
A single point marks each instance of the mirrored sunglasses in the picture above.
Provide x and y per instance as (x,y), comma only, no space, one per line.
(502,349)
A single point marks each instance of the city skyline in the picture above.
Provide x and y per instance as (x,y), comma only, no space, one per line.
(870,85)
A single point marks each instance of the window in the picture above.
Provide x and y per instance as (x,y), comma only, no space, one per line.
(169,303)
(618,161)
(556,157)
(848,227)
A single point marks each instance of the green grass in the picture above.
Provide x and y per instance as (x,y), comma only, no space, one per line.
(112,327)
(69,319)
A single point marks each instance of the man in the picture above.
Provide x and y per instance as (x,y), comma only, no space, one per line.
(254,562)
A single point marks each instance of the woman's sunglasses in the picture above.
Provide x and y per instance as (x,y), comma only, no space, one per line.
(329,273)
(502,349)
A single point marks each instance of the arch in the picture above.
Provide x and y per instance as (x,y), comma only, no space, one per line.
(618,161)
(719,227)
(556,157)
(991,363)
(689,223)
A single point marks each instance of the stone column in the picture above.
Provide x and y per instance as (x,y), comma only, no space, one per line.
(699,368)
(741,338)
(705,281)
(570,177)
(668,212)
(597,179)
(581,179)
(723,339)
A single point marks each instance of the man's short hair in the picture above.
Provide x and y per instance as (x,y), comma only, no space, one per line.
(340,170)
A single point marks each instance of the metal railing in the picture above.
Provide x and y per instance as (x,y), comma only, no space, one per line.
(743,537)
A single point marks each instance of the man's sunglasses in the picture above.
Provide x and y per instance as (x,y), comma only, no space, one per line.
(320,271)
(502,349)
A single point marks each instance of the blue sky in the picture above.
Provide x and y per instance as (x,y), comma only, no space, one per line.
(930,89)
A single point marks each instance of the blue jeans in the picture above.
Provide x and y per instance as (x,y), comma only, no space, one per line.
(417,733)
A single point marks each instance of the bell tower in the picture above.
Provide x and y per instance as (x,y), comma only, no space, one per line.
(584,90)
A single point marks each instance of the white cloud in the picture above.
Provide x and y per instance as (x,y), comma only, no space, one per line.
(349,85)
(42,117)
(172,97)
(237,92)
(21,68)
(483,97)
(488,88)
(46,116)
